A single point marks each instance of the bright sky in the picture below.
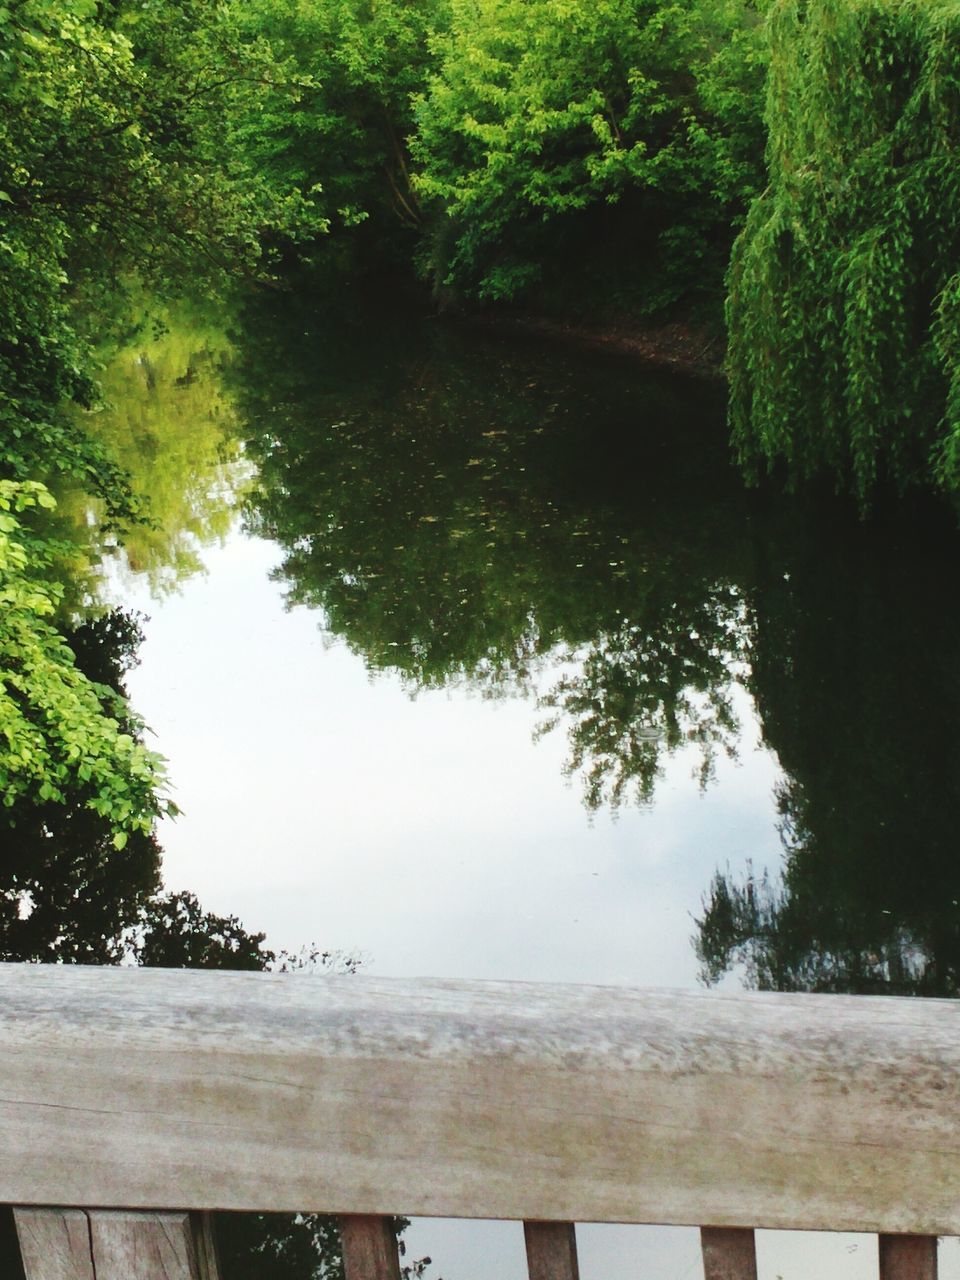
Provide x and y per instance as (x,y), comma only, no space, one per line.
(430,833)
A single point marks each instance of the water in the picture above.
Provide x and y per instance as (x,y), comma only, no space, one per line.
(496,670)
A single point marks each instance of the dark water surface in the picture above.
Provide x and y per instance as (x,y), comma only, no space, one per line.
(475,515)
(559,698)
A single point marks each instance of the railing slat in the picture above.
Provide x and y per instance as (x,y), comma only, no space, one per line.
(143,1246)
(729,1253)
(908,1257)
(68,1244)
(369,1248)
(54,1244)
(208,1258)
(551,1250)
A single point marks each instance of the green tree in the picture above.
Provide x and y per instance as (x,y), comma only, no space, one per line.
(60,732)
(67,893)
(342,138)
(112,158)
(546,117)
(844,296)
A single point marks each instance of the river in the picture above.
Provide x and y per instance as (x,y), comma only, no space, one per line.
(475,658)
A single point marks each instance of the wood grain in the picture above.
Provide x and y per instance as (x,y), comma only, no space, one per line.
(68,1244)
(551,1251)
(143,1246)
(369,1248)
(208,1257)
(908,1257)
(54,1244)
(728,1253)
(137,1088)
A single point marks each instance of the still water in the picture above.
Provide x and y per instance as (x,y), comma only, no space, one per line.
(493,668)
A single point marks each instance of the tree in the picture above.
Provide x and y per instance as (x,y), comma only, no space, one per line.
(61,733)
(341,140)
(844,295)
(174,932)
(112,158)
(67,893)
(544,117)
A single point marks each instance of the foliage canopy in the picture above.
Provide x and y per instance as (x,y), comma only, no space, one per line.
(59,730)
(543,110)
(115,156)
(844,303)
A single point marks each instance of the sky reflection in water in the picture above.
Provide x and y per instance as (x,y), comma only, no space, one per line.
(487,538)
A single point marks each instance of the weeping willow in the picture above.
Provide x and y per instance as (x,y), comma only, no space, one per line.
(844,286)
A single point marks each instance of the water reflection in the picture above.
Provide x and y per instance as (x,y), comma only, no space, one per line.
(463,514)
(169,422)
(521,521)
(855,674)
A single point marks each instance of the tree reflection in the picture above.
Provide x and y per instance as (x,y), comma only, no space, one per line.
(464,512)
(856,679)
(646,686)
(170,424)
(461,512)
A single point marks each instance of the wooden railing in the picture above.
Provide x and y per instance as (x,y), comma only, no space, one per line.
(124,1092)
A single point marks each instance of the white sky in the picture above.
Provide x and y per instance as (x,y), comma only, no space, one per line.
(430,833)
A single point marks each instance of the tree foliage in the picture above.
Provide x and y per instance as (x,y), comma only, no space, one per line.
(844,305)
(540,111)
(113,157)
(59,730)
(67,892)
(342,139)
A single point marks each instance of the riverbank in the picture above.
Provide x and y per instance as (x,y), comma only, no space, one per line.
(680,346)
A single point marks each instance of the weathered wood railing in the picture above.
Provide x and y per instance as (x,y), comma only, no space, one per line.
(123,1092)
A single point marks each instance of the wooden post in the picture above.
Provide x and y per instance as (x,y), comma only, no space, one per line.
(729,1253)
(908,1257)
(142,1246)
(551,1250)
(54,1244)
(69,1244)
(208,1258)
(369,1246)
